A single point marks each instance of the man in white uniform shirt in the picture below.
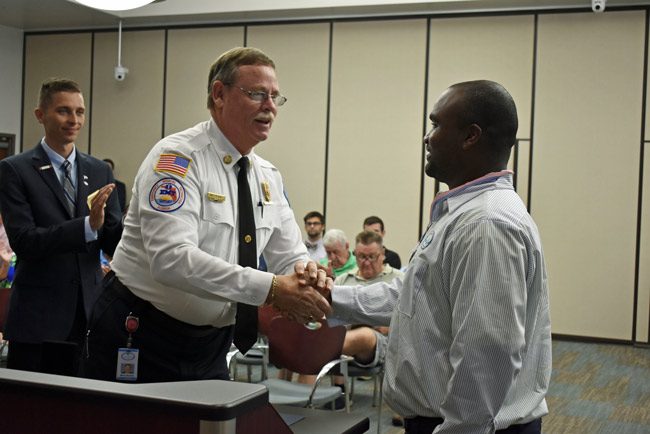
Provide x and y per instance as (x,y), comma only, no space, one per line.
(178,283)
(469,348)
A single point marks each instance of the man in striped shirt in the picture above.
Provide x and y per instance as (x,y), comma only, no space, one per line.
(470,343)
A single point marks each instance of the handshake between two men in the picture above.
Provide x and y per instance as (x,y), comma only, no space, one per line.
(302,296)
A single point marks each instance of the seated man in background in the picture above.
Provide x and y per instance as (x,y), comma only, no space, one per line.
(314,228)
(375,224)
(368,344)
(339,257)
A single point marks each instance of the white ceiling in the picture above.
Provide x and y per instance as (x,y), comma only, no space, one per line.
(40,15)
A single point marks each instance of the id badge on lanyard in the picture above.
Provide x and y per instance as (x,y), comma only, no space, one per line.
(127,358)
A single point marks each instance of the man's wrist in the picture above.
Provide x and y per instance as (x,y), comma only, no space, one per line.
(274,285)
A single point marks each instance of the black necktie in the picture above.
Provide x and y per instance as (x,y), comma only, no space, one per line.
(68,187)
(246,322)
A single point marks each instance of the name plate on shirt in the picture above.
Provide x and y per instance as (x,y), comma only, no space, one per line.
(216,197)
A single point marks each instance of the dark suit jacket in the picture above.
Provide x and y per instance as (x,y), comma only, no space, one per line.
(54,259)
(392,258)
(120,189)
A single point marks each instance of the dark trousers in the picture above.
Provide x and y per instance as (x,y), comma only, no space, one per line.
(169,350)
(52,357)
(426,425)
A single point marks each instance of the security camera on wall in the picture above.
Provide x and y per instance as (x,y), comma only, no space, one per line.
(598,5)
(120,72)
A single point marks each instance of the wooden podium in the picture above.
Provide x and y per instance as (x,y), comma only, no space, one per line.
(32,402)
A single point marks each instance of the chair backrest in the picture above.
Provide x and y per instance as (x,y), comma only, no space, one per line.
(299,349)
(265,314)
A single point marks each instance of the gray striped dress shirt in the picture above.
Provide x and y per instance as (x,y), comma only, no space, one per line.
(470,336)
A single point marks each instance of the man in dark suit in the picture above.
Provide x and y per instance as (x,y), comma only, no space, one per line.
(56,231)
(120,187)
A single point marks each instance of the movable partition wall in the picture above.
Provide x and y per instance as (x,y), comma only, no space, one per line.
(349,140)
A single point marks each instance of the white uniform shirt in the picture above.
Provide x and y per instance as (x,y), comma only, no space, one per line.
(470,337)
(179,248)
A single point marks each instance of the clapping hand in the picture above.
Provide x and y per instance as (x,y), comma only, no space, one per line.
(96,215)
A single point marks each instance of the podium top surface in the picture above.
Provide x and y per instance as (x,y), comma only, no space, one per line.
(212,399)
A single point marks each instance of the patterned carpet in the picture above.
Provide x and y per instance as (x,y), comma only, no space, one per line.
(595,389)
(599,388)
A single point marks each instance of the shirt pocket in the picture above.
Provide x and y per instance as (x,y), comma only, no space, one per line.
(217,212)
(217,228)
(414,283)
(267,220)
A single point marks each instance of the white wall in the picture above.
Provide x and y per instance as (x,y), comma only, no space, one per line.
(11,76)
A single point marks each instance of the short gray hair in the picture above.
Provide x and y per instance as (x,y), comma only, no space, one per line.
(335,236)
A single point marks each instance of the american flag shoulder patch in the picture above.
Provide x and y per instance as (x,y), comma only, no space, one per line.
(174,164)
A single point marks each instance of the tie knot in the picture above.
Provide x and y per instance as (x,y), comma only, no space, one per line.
(242,163)
(66,166)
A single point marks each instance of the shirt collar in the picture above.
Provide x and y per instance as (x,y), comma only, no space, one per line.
(313,244)
(226,151)
(463,193)
(384,271)
(55,158)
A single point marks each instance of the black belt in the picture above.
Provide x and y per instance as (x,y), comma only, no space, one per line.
(157,317)
(421,424)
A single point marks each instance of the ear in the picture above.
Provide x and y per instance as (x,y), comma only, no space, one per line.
(216,93)
(39,114)
(473,136)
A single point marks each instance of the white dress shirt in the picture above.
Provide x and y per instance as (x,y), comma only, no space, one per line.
(184,260)
(470,337)
(316,250)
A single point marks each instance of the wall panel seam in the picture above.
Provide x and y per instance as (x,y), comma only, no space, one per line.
(427,52)
(639,217)
(90,92)
(327,115)
(531,147)
(164,83)
(18,149)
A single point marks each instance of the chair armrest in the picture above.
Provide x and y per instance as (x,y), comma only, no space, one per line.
(229,357)
(343,360)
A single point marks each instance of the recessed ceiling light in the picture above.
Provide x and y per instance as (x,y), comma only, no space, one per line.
(114,5)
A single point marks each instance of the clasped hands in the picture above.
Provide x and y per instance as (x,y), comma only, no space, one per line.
(301,296)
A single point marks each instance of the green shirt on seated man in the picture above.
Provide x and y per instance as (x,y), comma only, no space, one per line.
(339,257)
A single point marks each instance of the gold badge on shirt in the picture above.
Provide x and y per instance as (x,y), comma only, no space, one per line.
(216,197)
(266,189)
